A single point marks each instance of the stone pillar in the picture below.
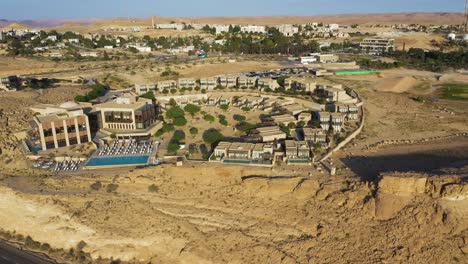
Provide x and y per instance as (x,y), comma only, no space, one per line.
(54,134)
(66,132)
(77,131)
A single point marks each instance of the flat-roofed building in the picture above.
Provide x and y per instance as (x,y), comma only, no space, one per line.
(301,84)
(231,81)
(128,113)
(247,82)
(294,109)
(209,83)
(267,83)
(313,135)
(288,30)
(333,93)
(337,120)
(296,151)
(225,100)
(270,134)
(221,150)
(145,88)
(377,44)
(327,58)
(305,117)
(249,101)
(60,126)
(262,151)
(240,150)
(187,83)
(285,119)
(325,119)
(167,85)
(253,29)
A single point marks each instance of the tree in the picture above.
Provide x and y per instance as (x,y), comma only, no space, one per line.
(175,112)
(178,136)
(239,118)
(168,128)
(224,107)
(173,91)
(245,127)
(192,109)
(193,130)
(173,148)
(180,121)
(148,95)
(211,136)
(209,118)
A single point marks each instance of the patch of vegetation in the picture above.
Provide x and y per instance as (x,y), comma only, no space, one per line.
(96,91)
(148,95)
(180,121)
(153,188)
(169,73)
(96,186)
(245,127)
(110,188)
(455,91)
(211,136)
(239,118)
(192,109)
(43,83)
(193,130)
(209,118)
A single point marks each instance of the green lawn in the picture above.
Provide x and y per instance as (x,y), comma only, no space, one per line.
(455,91)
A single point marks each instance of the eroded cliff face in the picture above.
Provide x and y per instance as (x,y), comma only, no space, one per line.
(221,217)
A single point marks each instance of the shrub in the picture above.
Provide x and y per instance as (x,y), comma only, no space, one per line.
(246,109)
(211,136)
(194,131)
(178,136)
(148,95)
(112,187)
(239,118)
(180,121)
(168,128)
(96,186)
(224,107)
(192,109)
(209,118)
(245,127)
(175,112)
(159,133)
(173,148)
(153,188)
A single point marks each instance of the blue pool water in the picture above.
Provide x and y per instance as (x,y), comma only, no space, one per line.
(115,161)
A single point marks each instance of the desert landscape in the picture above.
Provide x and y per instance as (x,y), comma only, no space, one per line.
(398,192)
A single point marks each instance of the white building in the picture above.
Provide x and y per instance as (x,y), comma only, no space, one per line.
(221,28)
(253,29)
(288,30)
(333,26)
(175,26)
(377,44)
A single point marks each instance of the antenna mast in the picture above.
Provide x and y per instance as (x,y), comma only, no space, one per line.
(465,25)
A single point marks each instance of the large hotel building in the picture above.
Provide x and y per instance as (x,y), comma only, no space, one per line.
(60,126)
(127,114)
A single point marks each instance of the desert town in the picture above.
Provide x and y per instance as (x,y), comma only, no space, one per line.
(165,140)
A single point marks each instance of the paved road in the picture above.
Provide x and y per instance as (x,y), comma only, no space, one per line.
(12,255)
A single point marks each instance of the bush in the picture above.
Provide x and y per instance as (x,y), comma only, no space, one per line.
(173,91)
(96,186)
(224,107)
(81,98)
(192,109)
(194,131)
(175,112)
(112,187)
(209,118)
(178,136)
(159,133)
(168,128)
(211,136)
(173,148)
(239,118)
(180,121)
(246,109)
(245,127)
(148,95)
(153,188)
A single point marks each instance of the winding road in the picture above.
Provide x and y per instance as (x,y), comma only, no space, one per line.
(13,255)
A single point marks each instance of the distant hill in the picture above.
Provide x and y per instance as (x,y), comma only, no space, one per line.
(390,18)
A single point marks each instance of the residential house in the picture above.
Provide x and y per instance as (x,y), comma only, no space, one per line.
(377,44)
(209,83)
(187,83)
(337,120)
(248,82)
(313,135)
(285,119)
(167,85)
(145,88)
(325,119)
(270,134)
(297,152)
(288,30)
(267,83)
(253,29)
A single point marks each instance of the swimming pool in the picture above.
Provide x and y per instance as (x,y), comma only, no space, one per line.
(116,161)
